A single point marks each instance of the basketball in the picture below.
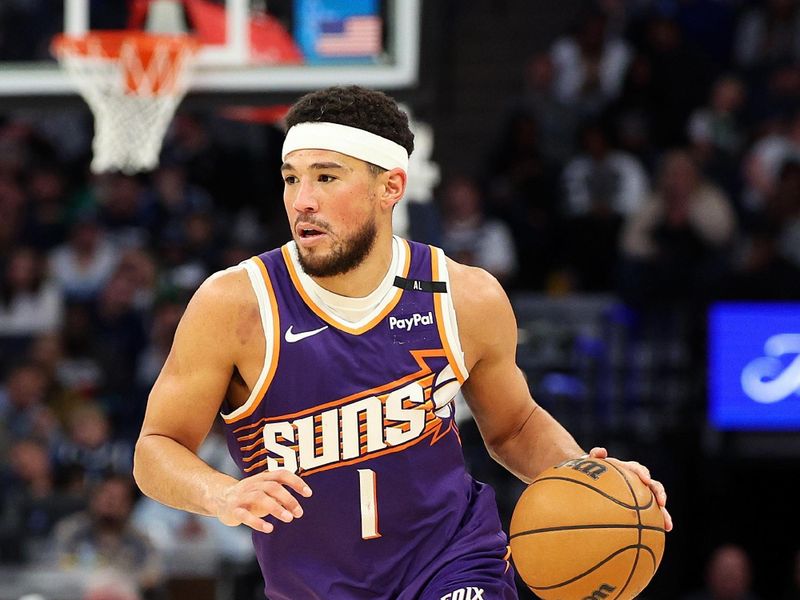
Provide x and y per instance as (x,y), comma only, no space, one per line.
(586,530)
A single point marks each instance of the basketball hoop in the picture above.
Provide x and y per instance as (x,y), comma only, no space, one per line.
(133,82)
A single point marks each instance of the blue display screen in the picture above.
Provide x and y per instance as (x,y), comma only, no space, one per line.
(754,366)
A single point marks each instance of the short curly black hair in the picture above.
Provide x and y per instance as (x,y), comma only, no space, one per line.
(356,107)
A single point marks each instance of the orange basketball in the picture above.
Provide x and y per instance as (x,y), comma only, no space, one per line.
(587,530)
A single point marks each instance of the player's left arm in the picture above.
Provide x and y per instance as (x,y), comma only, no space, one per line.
(518,433)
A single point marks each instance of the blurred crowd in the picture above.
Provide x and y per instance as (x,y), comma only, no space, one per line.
(653,151)
(96,273)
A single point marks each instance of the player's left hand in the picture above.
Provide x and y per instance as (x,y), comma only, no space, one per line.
(644,474)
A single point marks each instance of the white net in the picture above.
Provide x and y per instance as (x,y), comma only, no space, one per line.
(133,89)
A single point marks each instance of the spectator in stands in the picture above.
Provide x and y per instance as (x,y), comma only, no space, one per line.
(763,162)
(119,338)
(767,50)
(166,315)
(708,25)
(768,265)
(45,224)
(679,78)
(556,120)
(522,186)
(141,268)
(47,352)
(79,368)
(728,575)
(203,239)
(674,246)
(103,537)
(119,326)
(590,65)
(30,302)
(15,151)
(31,503)
(717,133)
(589,244)
(719,124)
(172,197)
(12,203)
(190,147)
(783,210)
(84,263)
(181,269)
(122,209)
(625,184)
(23,405)
(472,238)
(768,34)
(632,116)
(518,171)
(89,446)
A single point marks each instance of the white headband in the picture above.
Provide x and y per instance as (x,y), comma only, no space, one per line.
(351,141)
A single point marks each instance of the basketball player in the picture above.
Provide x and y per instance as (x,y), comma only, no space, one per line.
(334,361)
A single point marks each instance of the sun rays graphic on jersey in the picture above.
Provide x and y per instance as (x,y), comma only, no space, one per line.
(359,427)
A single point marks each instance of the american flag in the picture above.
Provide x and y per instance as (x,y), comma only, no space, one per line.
(350,36)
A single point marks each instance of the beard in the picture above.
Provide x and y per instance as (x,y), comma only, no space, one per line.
(345,255)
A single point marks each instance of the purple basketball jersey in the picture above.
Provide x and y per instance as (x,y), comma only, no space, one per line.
(365,415)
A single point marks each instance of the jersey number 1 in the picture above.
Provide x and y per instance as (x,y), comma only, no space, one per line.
(369,504)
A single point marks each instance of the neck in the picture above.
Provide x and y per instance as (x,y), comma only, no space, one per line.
(367,276)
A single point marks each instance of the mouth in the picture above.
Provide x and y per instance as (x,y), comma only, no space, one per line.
(307,231)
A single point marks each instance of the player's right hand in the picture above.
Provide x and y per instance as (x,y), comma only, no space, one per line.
(251,499)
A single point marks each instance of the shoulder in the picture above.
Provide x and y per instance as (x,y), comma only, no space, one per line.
(223,304)
(225,290)
(474,288)
(484,313)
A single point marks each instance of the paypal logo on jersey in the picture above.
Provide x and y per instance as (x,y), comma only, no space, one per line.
(754,366)
(407,324)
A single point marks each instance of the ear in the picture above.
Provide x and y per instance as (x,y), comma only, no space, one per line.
(393,188)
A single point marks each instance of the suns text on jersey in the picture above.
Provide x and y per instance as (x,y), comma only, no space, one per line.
(352,431)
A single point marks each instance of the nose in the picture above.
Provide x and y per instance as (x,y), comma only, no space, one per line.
(304,201)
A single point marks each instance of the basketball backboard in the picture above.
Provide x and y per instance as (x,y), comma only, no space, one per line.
(253,45)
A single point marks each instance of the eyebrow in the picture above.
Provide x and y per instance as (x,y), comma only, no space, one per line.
(316,166)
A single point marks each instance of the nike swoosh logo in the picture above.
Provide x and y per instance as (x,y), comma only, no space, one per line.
(293,337)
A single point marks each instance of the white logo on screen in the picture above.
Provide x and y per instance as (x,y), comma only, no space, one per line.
(768,379)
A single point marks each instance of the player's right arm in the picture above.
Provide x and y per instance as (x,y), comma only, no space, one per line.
(209,343)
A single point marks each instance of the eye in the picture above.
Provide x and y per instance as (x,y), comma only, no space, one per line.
(326,178)
(290,179)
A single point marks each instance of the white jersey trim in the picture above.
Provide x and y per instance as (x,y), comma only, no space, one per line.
(265,310)
(449,319)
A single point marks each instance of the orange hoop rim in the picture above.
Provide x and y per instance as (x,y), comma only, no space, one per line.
(111,43)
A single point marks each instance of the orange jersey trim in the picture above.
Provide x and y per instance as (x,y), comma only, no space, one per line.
(422,374)
(438,306)
(434,427)
(324,316)
(276,346)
